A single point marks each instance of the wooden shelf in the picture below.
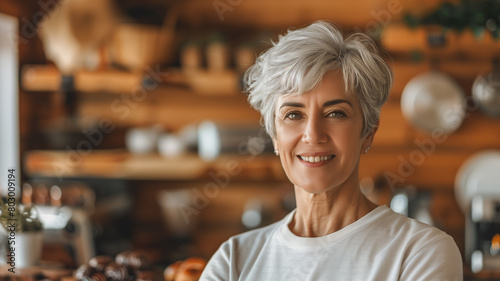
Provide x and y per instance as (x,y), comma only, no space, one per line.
(48,78)
(120,164)
(398,38)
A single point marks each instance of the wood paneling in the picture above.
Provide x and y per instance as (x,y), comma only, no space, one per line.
(279,14)
(413,166)
(173,107)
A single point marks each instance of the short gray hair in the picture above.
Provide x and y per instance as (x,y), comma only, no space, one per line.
(298,61)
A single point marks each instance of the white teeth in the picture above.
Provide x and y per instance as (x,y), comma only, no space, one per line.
(315,159)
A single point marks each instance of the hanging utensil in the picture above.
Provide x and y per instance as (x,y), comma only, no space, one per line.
(434,101)
(486,91)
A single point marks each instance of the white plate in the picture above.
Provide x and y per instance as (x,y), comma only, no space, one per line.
(433,101)
(478,175)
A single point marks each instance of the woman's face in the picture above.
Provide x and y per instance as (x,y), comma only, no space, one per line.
(318,136)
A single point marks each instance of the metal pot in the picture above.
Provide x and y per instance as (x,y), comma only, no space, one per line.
(486,91)
(433,101)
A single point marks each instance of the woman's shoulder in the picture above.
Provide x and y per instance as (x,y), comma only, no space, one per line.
(402,224)
(240,251)
(262,233)
(411,232)
(428,253)
(254,238)
(419,246)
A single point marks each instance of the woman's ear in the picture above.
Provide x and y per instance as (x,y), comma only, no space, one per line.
(369,138)
(276,147)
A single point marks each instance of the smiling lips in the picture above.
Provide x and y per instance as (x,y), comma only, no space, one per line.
(315,159)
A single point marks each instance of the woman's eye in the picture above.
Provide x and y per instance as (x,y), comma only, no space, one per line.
(293,115)
(337,114)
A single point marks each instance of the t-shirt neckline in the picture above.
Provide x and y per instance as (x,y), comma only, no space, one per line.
(294,241)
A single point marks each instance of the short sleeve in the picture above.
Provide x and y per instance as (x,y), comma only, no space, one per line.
(438,260)
(218,267)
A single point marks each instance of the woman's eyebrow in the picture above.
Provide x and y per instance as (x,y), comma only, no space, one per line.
(336,101)
(325,104)
(292,104)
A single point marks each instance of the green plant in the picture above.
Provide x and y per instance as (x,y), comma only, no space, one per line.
(478,15)
(19,218)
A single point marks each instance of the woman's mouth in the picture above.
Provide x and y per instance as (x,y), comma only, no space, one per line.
(315,159)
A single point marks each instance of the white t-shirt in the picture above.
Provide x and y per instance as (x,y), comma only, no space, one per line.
(382,245)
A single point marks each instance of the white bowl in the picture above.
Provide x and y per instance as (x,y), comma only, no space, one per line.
(170,145)
(142,140)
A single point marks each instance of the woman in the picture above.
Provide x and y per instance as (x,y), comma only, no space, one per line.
(320,96)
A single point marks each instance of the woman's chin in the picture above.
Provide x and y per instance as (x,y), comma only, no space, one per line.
(315,188)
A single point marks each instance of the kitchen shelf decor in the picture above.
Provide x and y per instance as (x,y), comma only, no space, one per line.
(478,16)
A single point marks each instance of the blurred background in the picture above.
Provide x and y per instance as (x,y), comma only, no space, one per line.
(132,120)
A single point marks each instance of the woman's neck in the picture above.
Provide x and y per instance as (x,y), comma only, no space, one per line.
(321,214)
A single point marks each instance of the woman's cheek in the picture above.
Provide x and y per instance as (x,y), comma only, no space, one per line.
(286,131)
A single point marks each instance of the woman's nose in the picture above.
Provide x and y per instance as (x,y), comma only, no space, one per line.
(314,132)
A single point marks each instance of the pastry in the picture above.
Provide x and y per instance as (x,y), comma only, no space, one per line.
(123,258)
(116,272)
(98,276)
(82,271)
(190,269)
(138,261)
(99,263)
(171,271)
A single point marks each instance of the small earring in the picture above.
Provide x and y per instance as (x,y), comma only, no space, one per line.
(277,153)
(366,149)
